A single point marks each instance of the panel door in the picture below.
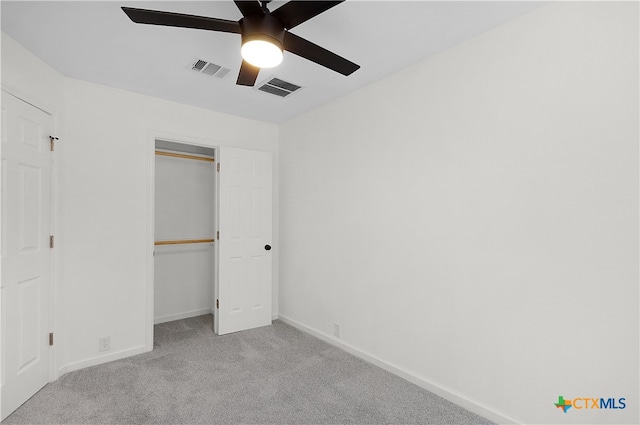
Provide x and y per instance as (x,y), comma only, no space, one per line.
(25,287)
(245,256)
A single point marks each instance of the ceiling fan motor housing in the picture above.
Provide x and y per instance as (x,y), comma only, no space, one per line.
(267,28)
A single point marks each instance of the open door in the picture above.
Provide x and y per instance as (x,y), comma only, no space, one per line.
(25,284)
(243,292)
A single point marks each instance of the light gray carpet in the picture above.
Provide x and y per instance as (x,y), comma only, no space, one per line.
(271,375)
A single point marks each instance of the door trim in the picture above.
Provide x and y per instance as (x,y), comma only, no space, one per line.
(45,107)
(55,352)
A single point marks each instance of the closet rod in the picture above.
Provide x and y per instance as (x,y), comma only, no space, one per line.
(185,156)
(184,241)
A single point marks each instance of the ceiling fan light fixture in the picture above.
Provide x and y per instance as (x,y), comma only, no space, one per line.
(265,34)
(262,40)
(261,53)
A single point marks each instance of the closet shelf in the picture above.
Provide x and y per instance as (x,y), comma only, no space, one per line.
(184,241)
(185,156)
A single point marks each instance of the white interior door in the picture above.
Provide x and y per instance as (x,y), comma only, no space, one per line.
(25,287)
(244,246)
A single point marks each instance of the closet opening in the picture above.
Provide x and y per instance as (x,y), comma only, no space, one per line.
(185,225)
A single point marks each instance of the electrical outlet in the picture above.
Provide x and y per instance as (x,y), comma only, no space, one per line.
(104,343)
(336,329)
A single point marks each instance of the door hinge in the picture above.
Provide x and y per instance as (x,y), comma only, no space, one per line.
(51,338)
(218,235)
(52,143)
(217,304)
(218,167)
(51,241)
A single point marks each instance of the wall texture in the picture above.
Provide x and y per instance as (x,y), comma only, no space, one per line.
(472,221)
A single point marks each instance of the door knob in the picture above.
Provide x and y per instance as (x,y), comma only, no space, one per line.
(267,247)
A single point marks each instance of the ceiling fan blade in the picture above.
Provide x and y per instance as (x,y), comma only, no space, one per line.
(170,19)
(250,7)
(248,74)
(296,12)
(306,49)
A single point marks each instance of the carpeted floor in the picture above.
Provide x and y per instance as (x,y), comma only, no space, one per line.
(271,375)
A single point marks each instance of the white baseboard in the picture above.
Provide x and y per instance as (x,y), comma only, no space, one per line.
(446,393)
(104,358)
(179,316)
(274,316)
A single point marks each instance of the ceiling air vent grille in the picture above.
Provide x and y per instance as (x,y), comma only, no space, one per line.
(278,87)
(209,68)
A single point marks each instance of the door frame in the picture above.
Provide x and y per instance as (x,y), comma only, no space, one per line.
(55,351)
(154,135)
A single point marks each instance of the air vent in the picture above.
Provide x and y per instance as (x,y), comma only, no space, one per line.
(199,65)
(278,87)
(209,68)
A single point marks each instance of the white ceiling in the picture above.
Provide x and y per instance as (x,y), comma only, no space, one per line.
(95,41)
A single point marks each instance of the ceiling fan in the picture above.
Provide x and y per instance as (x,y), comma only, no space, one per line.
(265,34)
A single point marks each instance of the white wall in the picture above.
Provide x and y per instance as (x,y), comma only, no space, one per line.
(103,213)
(185,193)
(473,220)
(105,182)
(28,76)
